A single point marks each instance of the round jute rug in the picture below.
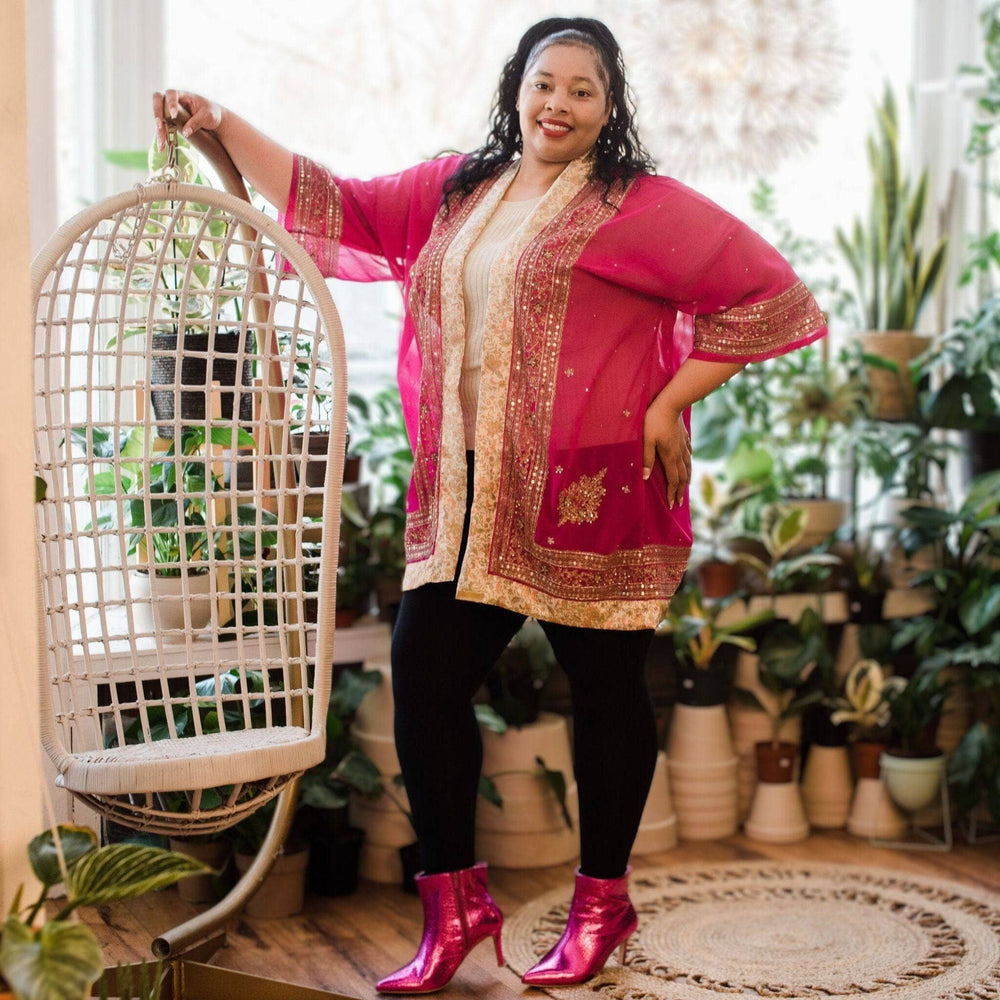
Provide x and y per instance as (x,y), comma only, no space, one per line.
(760,929)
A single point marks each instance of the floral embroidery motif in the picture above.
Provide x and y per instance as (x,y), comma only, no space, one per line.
(580,502)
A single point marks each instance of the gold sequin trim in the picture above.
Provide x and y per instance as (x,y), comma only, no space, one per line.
(761,328)
(580,502)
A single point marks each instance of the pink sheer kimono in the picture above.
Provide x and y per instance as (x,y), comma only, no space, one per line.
(590,311)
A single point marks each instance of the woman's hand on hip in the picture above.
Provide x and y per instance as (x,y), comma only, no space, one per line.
(205,114)
(664,436)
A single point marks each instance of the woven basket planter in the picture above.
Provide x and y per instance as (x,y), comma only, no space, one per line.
(193,373)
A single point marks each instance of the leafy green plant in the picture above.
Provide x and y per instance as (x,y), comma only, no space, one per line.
(696,632)
(903,455)
(782,529)
(968,398)
(914,707)
(894,278)
(792,659)
(171,493)
(863,704)
(60,959)
(818,407)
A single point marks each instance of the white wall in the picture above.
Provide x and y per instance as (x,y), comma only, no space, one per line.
(20,766)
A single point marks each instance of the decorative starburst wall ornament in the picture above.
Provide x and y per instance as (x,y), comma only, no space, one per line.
(732,87)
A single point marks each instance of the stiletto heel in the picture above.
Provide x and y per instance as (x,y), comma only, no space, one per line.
(601,919)
(458,914)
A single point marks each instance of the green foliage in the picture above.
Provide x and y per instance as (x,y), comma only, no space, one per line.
(782,529)
(969,354)
(172,492)
(697,635)
(894,278)
(793,661)
(60,960)
(913,707)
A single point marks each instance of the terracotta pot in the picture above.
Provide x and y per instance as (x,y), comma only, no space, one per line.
(776,761)
(827,786)
(893,393)
(777,815)
(344,617)
(658,825)
(282,892)
(822,519)
(865,757)
(529,831)
(214,853)
(873,813)
(717,579)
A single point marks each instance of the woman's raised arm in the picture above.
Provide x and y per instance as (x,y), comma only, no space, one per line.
(266,164)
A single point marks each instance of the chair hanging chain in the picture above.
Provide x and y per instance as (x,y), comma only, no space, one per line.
(168,173)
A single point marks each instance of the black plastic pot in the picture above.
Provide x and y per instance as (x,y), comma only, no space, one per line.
(333,862)
(193,373)
(819,729)
(700,686)
(865,607)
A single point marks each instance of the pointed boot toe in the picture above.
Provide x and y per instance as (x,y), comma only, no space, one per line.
(601,918)
(458,913)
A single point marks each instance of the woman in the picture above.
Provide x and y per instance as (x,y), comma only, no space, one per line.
(564,309)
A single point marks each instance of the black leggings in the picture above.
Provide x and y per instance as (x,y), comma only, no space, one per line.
(442,649)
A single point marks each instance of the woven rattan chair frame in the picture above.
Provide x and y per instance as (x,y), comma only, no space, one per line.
(184,728)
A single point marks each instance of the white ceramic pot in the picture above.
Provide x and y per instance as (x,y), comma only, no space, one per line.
(913,782)
(699,734)
(159,603)
(705,798)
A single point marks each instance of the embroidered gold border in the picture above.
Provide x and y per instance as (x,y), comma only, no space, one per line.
(437,478)
(317,212)
(760,328)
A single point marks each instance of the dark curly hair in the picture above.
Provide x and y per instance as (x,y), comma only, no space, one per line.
(618,153)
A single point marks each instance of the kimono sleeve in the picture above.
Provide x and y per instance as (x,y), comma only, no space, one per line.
(745,300)
(364,230)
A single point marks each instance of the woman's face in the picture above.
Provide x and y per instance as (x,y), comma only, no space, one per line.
(562,104)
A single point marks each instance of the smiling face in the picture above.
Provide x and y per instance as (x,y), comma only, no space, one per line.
(562,104)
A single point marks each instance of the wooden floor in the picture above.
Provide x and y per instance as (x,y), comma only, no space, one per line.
(346,944)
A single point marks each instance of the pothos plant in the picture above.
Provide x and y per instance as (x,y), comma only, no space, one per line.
(52,957)
(171,492)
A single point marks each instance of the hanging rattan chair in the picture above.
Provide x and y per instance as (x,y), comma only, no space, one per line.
(182,686)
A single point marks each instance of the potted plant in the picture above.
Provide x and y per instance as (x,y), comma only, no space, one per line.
(42,956)
(322,818)
(713,512)
(703,767)
(967,398)
(865,708)
(791,660)
(378,434)
(818,407)
(961,634)
(913,765)
(780,571)
(893,275)
(179,558)
(194,301)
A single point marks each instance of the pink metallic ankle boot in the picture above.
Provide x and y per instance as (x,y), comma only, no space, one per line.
(601,918)
(458,914)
